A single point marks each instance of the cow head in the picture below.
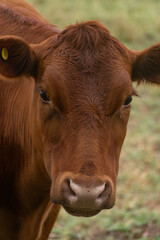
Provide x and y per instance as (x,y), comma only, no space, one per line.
(81,103)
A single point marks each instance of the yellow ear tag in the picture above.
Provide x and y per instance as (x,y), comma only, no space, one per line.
(4,53)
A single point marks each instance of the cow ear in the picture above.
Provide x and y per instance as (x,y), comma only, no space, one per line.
(146,66)
(16,57)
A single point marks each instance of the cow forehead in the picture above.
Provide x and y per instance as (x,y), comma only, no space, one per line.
(106,78)
(100,69)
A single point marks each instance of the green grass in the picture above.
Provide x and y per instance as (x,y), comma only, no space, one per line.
(136,214)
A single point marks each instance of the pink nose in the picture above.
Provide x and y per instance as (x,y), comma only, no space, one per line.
(90,195)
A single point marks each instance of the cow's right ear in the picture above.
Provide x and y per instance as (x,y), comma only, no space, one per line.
(16,57)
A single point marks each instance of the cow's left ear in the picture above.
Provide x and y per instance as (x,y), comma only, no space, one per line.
(146,65)
(16,57)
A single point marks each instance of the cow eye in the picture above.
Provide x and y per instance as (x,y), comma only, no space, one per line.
(128,101)
(44,96)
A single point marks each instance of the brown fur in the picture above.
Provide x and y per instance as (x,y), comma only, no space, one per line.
(78,134)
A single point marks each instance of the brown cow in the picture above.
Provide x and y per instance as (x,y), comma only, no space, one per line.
(64,106)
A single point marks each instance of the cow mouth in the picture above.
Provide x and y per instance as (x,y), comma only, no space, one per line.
(81,212)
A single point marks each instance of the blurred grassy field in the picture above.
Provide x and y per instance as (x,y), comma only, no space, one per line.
(136,215)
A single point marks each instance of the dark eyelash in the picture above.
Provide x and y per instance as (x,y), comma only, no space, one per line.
(128,101)
(44,96)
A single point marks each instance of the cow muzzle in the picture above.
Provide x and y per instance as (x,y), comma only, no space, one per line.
(85,196)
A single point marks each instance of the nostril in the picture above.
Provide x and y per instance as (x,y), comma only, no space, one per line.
(68,189)
(106,192)
(71,190)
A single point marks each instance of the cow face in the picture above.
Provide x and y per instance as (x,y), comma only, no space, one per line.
(89,125)
(82,100)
